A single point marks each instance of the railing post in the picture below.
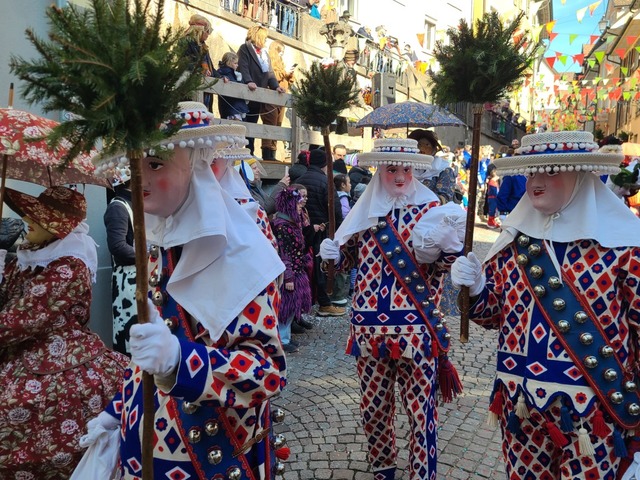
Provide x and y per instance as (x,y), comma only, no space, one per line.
(294,145)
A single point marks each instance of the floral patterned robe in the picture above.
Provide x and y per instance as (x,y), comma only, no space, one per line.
(55,375)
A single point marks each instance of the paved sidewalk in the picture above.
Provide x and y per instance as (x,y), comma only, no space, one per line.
(323,428)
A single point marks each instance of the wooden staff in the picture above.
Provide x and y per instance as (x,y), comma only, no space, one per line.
(142,289)
(471,217)
(331,204)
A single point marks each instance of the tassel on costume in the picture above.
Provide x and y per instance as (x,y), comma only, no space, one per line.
(556,435)
(448,380)
(600,428)
(355,348)
(374,348)
(349,346)
(619,447)
(566,424)
(495,409)
(383,350)
(395,350)
(283,453)
(513,424)
(434,349)
(584,442)
(521,407)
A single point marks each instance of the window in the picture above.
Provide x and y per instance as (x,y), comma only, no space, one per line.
(429,35)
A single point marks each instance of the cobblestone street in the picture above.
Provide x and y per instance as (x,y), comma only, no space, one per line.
(323,428)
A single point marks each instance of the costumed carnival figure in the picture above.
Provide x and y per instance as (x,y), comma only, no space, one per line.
(233,183)
(55,375)
(561,285)
(401,242)
(212,343)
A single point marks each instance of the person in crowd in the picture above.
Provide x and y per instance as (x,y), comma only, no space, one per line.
(300,167)
(256,70)
(212,341)
(274,114)
(316,182)
(197,50)
(342,280)
(493,187)
(561,287)
(343,187)
(358,175)
(339,153)
(314,10)
(512,189)
(440,178)
(359,190)
(231,108)
(296,291)
(329,12)
(55,375)
(300,325)
(118,222)
(401,241)
(265,199)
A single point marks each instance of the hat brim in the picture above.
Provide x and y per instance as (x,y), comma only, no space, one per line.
(605,163)
(52,220)
(376,159)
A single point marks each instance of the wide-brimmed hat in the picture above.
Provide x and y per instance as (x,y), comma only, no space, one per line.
(395,151)
(58,209)
(197,131)
(568,151)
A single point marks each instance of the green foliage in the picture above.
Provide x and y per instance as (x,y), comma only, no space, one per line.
(624,136)
(114,68)
(481,65)
(598,134)
(322,93)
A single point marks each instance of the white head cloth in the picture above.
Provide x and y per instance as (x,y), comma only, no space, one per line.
(77,244)
(226,261)
(375,202)
(592,213)
(232,183)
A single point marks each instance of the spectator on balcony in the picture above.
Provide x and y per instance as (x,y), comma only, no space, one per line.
(274,114)
(197,50)
(231,108)
(329,12)
(256,70)
(313,9)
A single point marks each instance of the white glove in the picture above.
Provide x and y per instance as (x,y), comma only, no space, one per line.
(98,426)
(153,348)
(467,272)
(330,250)
(429,242)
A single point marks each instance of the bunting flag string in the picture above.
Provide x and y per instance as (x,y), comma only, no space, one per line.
(593,6)
(580,14)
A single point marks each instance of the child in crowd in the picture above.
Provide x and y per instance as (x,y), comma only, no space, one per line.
(493,182)
(296,290)
(231,108)
(343,187)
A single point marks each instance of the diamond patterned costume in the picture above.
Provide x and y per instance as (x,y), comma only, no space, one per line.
(392,344)
(534,366)
(216,407)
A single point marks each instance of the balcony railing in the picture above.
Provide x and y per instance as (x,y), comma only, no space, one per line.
(283,16)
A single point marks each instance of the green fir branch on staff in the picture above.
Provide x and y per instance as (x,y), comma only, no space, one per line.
(483,64)
(322,93)
(114,68)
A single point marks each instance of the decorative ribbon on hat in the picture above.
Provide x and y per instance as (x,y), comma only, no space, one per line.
(574,324)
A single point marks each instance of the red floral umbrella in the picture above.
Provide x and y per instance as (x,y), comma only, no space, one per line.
(27,157)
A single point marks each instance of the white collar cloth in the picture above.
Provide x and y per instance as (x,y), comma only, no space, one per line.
(592,213)
(77,244)
(375,202)
(226,261)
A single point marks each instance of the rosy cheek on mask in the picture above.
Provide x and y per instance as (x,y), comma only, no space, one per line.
(163,185)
